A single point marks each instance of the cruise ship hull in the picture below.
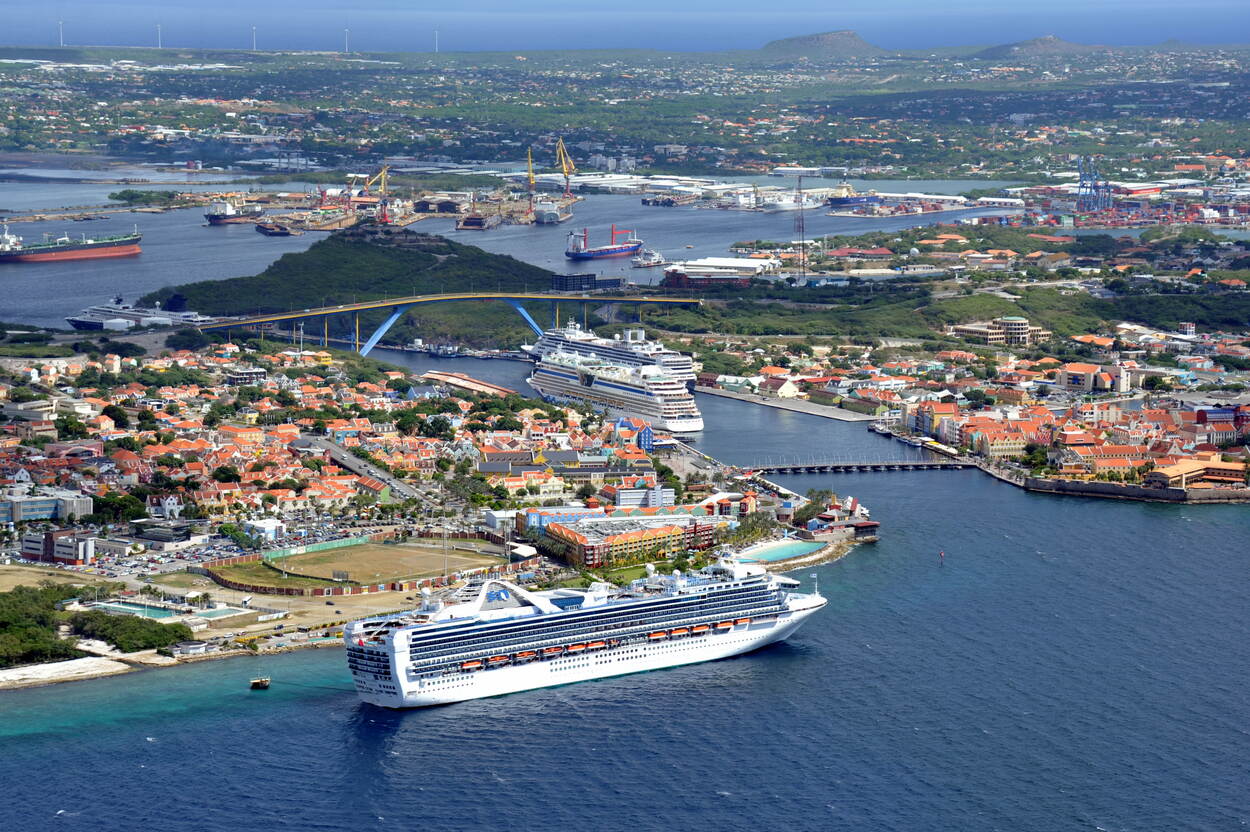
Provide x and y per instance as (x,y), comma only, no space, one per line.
(632,657)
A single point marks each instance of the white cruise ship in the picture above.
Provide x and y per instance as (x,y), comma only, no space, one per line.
(631,349)
(648,392)
(507,639)
(120,315)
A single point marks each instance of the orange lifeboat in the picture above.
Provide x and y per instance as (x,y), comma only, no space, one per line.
(742,621)
(596,645)
(498,660)
(657,636)
(681,631)
(576,648)
(724,625)
(552,652)
(525,655)
(471,665)
(700,629)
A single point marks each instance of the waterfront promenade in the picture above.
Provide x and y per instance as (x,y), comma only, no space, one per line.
(794,405)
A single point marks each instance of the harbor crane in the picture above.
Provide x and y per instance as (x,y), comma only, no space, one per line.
(565,162)
(529,165)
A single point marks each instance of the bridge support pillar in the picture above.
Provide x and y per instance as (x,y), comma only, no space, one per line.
(379,332)
(524,313)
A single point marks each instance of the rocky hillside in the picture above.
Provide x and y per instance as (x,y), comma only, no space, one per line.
(841,45)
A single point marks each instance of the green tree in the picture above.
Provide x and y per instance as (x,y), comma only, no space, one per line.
(226,473)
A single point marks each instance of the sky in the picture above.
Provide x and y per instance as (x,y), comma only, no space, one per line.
(695,25)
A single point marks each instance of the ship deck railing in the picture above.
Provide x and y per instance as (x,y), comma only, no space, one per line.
(421,666)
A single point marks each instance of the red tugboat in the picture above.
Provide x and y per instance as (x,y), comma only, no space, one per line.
(13,250)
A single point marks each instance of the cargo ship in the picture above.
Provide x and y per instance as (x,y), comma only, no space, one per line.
(845,196)
(14,250)
(853,200)
(226,212)
(579,247)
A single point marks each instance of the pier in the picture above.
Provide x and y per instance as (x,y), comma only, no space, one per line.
(838,467)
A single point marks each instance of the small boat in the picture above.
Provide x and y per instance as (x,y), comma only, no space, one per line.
(742,621)
(724,625)
(681,631)
(552,652)
(261,683)
(526,655)
(657,636)
(700,629)
(596,645)
(471,665)
(495,661)
(647,259)
(576,648)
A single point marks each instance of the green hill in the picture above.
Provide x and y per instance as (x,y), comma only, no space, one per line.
(368,263)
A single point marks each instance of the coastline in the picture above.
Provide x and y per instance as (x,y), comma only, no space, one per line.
(795,405)
(95,667)
(829,553)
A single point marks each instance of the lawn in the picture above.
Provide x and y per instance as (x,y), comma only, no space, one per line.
(261,575)
(12,575)
(371,563)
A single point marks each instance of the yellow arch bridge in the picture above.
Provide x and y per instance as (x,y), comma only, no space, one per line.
(398,306)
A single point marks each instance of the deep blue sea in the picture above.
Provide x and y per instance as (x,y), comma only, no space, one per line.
(1073,665)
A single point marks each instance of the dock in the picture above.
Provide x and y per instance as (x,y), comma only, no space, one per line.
(794,405)
(463,382)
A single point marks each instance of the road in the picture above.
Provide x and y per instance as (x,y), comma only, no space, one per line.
(356,465)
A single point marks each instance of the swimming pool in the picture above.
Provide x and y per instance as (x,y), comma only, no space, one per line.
(218,612)
(780,550)
(130,608)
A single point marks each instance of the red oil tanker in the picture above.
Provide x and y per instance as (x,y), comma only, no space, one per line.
(13,250)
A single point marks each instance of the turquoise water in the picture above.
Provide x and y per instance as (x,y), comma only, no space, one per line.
(217,613)
(136,609)
(771,552)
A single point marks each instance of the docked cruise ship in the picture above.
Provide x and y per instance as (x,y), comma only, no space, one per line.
(631,349)
(507,639)
(120,315)
(648,393)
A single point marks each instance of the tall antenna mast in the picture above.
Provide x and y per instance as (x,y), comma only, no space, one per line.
(60,32)
(253,38)
(435,41)
(159,43)
(346,34)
